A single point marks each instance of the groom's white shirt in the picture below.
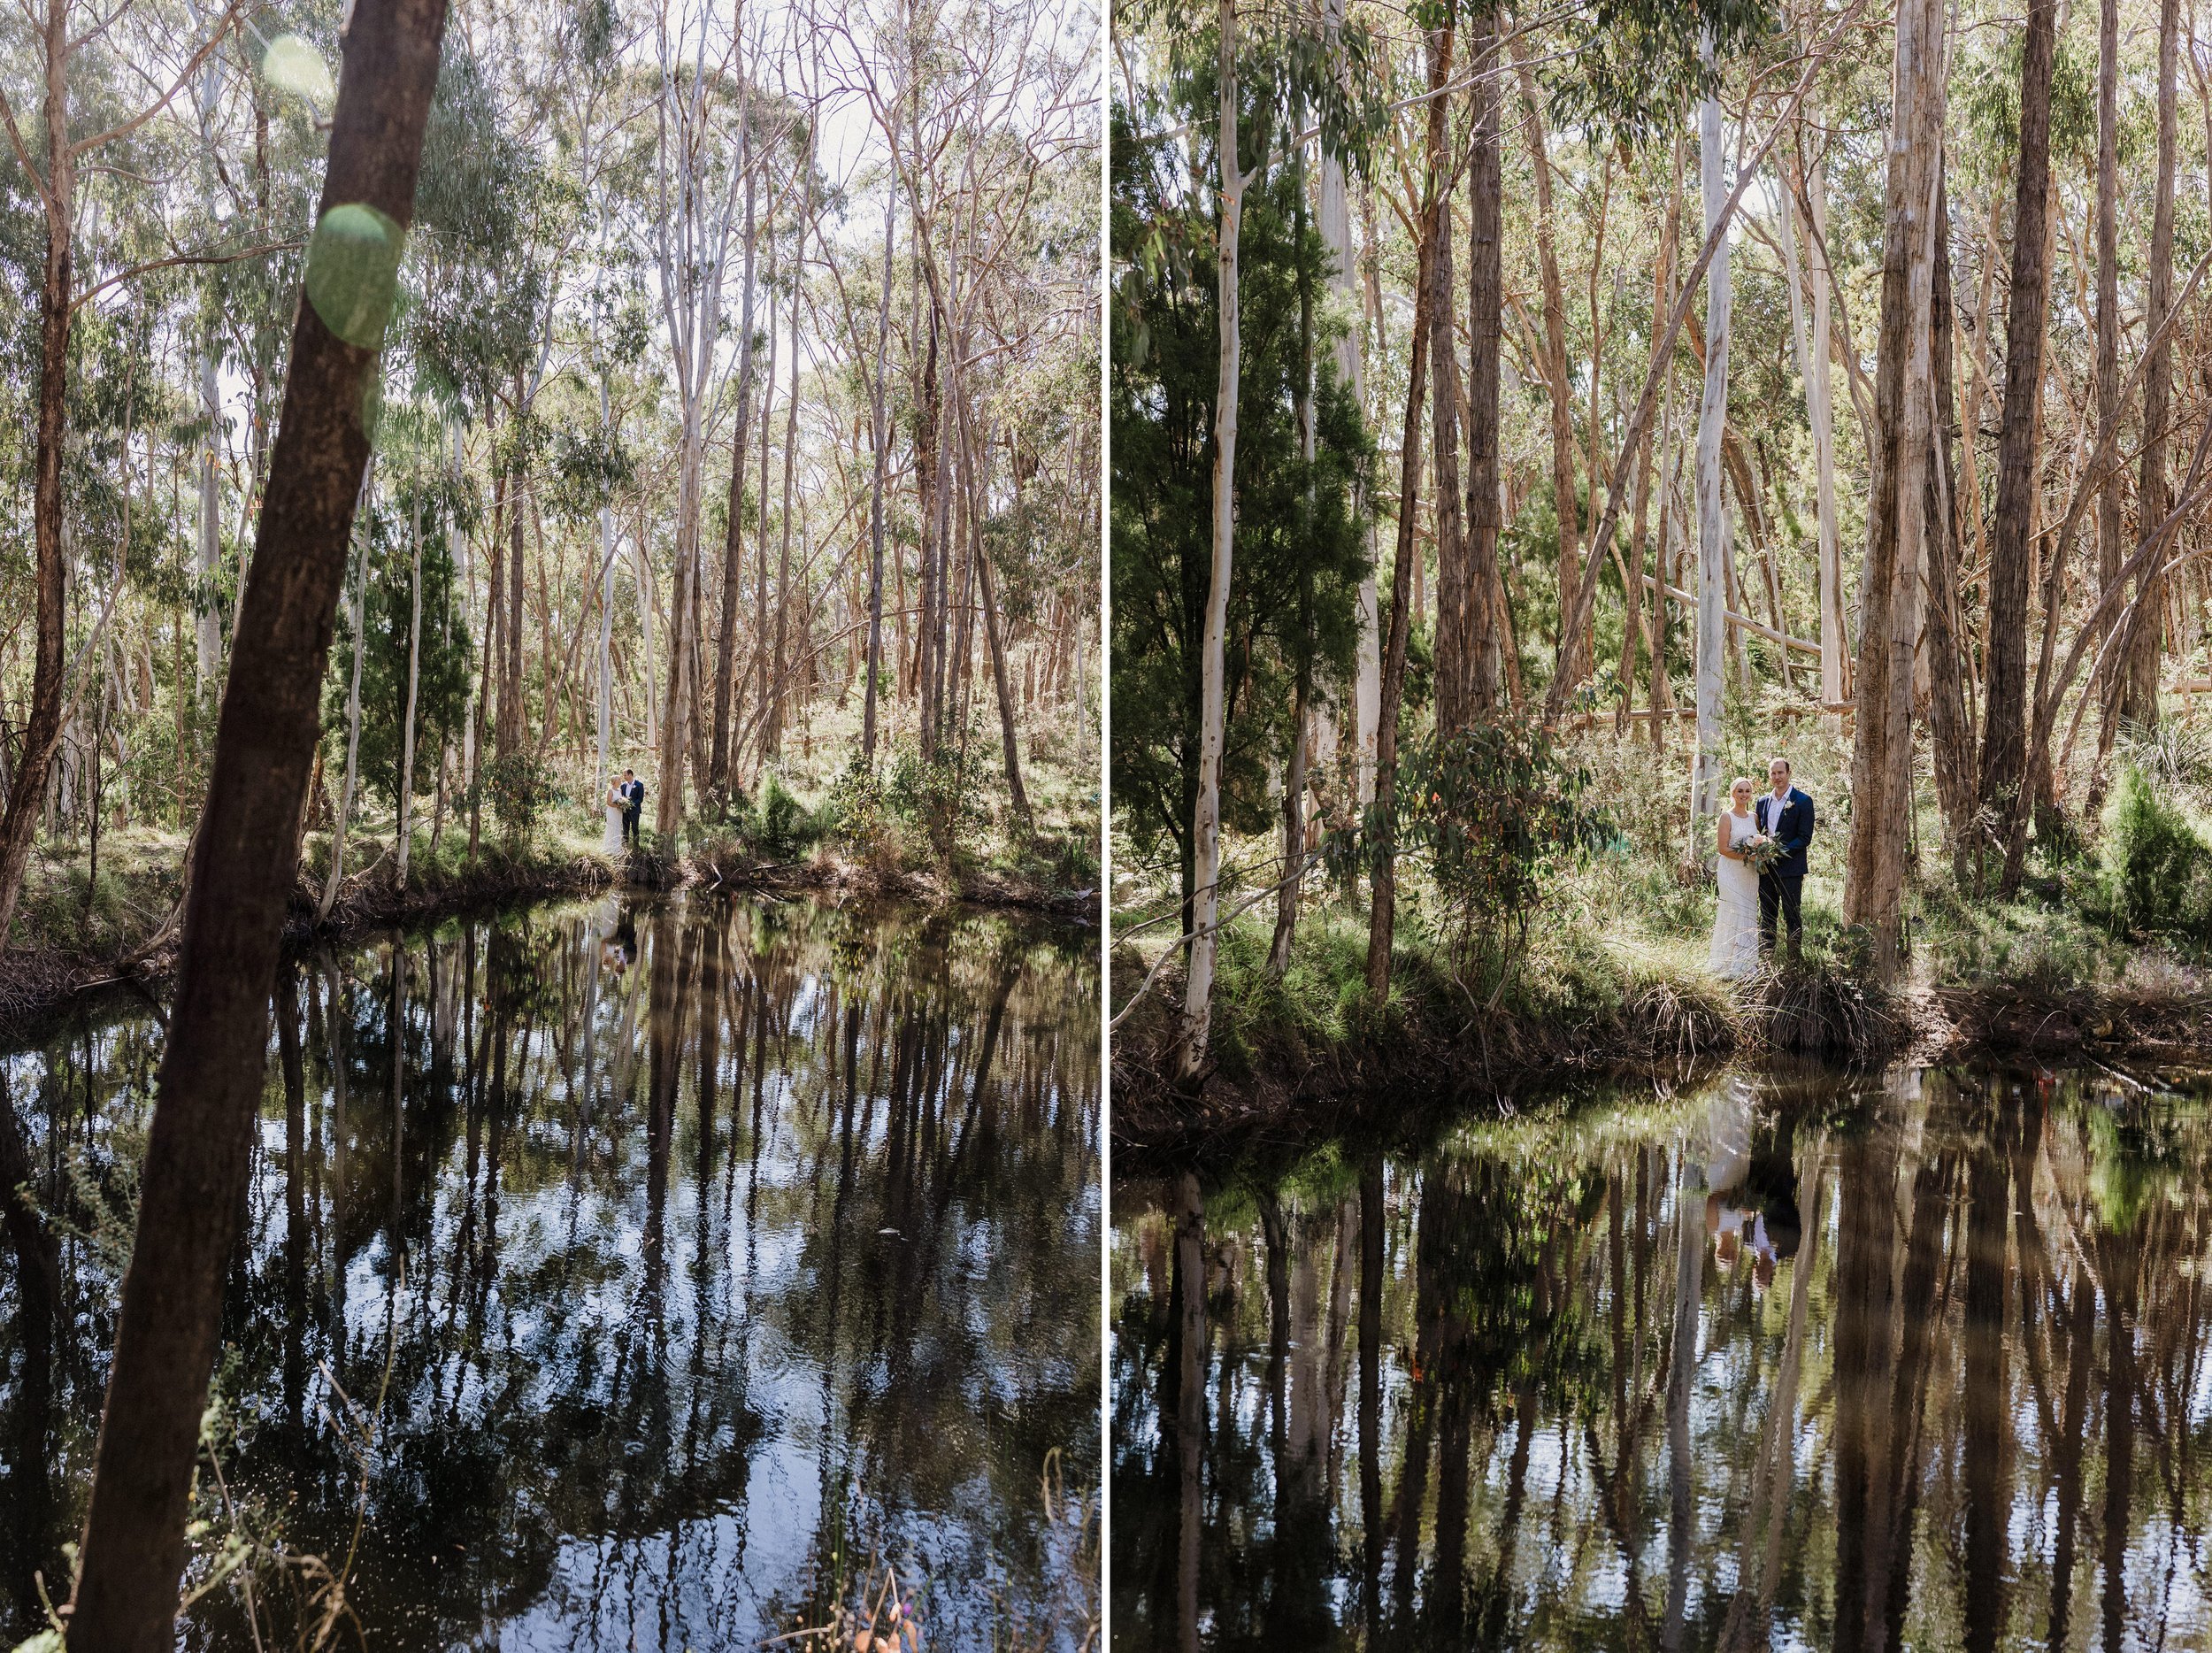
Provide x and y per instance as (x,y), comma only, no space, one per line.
(1770,812)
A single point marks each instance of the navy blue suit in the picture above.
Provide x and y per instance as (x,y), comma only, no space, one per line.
(1782,886)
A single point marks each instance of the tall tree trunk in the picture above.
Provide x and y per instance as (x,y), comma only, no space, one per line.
(1335,221)
(207,620)
(211,1075)
(337,873)
(2138,698)
(605,707)
(1945,631)
(760,521)
(1008,747)
(404,833)
(1804,192)
(1881,755)
(1574,659)
(928,441)
(2011,546)
(1454,642)
(938,535)
(1661,688)
(1382,848)
(733,531)
(774,744)
(1485,310)
(1712,522)
(514,715)
(1632,593)
(55,306)
(1213,667)
(881,442)
(682,650)
(1293,857)
(2110,552)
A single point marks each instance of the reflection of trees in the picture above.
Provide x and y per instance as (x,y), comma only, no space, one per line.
(795,1179)
(1967,1412)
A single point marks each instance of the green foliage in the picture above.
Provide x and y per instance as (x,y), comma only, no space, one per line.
(1494,813)
(444,654)
(519,787)
(2153,869)
(935,795)
(780,824)
(1300,553)
(853,817)
(1633,68)
(481,283)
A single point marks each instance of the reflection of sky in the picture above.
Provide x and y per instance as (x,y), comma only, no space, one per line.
(716,1427)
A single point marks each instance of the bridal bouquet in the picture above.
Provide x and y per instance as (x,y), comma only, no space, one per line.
(1761,853)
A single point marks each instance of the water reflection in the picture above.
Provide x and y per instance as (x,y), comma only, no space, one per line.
(1920,1363)
(698,1253)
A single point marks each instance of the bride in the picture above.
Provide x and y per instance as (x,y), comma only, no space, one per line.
(616,806)
(1735,950)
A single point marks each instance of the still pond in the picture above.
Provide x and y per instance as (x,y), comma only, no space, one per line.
(615,1276)
(1919,1360)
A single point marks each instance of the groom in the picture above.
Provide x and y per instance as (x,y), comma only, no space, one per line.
(632,790)
(1784,815)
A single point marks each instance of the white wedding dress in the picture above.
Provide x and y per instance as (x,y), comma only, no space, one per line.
(1736,920)
(612,844)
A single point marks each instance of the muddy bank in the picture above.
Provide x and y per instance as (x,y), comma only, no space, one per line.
(1277,1087)
(43,985)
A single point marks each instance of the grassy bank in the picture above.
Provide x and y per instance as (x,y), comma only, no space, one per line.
(915,833)
(2106,953)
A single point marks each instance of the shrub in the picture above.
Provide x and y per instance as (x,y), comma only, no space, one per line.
(2154,872)
(519,787)
(852,816)
(935,795)
(1496,811)
(781,825)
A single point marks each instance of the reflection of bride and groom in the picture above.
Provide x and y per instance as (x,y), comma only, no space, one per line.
(1751,1187)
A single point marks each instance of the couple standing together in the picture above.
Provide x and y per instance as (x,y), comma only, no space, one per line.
(1751,896)
(624,799)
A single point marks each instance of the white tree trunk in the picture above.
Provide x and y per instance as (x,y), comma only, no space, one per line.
(1812,366)
(882,444)
(1835,643)
(1712,522)
(207,624)
(1213,667)
(353,732)
(1333,219)
(606,616)
(642,571)
(414,666)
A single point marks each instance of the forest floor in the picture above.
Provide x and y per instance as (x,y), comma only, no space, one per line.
(77,935)
(1608,979)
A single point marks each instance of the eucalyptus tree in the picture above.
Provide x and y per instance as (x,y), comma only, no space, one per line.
(2138,670)
(63,56)
(2004,716)
(1292,610)
(694,222)
(1904,424)
(212,1063)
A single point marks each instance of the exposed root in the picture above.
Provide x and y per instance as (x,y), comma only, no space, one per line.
(1817,1009)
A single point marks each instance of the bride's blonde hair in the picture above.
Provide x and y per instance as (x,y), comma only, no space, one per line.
(1741,781)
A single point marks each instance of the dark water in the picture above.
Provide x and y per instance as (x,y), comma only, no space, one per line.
(1919,1363)
(700,1253)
